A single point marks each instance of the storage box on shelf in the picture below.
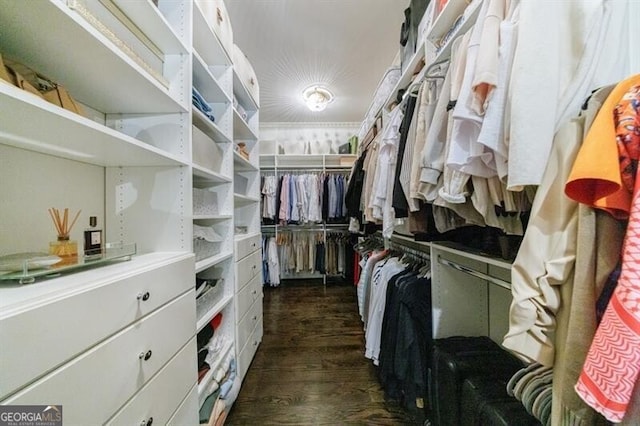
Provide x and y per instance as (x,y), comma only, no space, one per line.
(216,17)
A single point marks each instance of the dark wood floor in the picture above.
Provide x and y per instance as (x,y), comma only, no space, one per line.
(310,368)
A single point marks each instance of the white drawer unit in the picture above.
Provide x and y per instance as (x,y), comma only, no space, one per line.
(248,323)
(187,413)
(248,299)
(246,246)
(248,295)
(247,269)
(96,384)
(155,402)
(247,353)
(102,301)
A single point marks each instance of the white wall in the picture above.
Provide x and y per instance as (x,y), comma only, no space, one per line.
(304,138)
(31,183)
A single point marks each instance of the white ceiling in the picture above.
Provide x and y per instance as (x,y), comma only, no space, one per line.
(345,44)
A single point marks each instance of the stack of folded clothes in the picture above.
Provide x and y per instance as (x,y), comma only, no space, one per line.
(199,102)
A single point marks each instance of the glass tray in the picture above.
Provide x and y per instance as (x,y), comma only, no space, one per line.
(29,273)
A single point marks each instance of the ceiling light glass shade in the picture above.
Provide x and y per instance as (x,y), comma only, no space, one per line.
(317,98)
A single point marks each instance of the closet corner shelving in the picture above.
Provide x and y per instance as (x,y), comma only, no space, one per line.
(301,163)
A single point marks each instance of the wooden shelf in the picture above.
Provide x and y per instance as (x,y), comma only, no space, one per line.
(407,75)
(105,79)
(241,164)
(206,381)
(216,218)
(212,261)
(241,129)
(17,297)
(447,17)
(215,310)
(61,133)
(206,83)
(152,23)
(471,15)
(202,175)
(243,200)
(208,127)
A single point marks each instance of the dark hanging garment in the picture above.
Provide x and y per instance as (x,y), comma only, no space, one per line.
(325,199)
(278,192)
(354,188)
(399,202)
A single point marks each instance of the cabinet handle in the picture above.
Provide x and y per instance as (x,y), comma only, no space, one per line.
(255,343)
(219,15)
(145,355)
(254,292)
(255,318)
(148,422)
(144,296)
(253,245)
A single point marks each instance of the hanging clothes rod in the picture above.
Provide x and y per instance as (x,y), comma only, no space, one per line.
(301,229)
(477,274)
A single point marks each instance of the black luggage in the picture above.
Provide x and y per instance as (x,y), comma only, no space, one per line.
(484,402)
(457,358)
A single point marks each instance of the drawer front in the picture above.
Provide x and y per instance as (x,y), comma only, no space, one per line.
(96,384)
(53,329)
(160,397)
(249,350)
(187,413)
(246,246)
(248,323)
(249,294)
(247,269)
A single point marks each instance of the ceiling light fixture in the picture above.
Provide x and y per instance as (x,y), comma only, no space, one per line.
(317,97)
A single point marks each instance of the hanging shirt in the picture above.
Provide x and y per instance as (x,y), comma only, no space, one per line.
(377,306)
(492,135)
(612,366)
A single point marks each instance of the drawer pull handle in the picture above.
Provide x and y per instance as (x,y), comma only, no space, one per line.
(144,296)
(147,422)
(145,355)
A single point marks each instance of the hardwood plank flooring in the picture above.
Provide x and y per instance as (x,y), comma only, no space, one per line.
(310,368)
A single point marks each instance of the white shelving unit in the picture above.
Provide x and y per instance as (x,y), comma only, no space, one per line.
(127,162)
(246,198)
(150,166)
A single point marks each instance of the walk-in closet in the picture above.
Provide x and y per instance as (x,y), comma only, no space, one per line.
(319,212)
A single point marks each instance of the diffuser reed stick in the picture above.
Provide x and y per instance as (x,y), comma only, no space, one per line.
(61,222)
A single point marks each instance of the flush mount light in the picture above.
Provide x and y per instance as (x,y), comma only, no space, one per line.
(317,97)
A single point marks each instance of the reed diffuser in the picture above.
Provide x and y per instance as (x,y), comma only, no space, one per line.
(64,247)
